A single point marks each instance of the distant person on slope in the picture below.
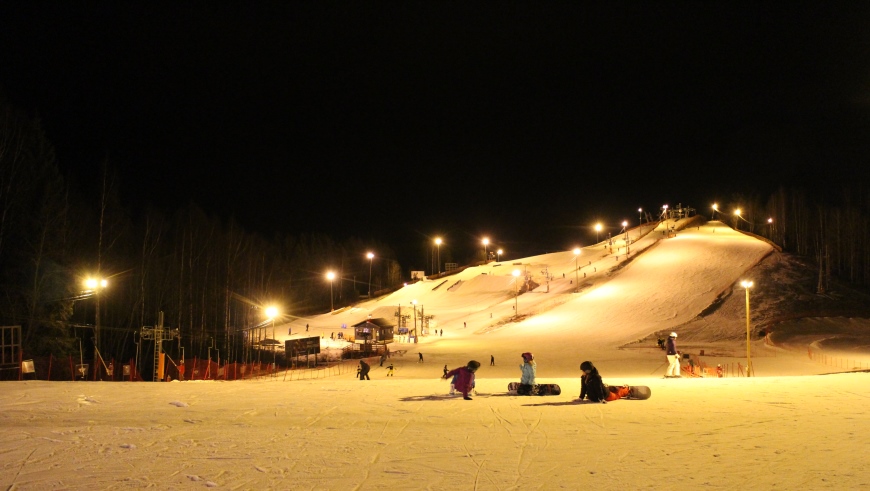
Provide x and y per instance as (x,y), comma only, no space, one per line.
(527,381)
(364,370)
(464,378)
(673,357)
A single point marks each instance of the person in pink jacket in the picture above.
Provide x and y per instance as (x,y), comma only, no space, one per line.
(464,378)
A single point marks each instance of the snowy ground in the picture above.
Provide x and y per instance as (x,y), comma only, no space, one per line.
(786,428)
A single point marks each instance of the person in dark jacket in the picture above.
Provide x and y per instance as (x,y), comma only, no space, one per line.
(364,370)
(591,385)
(464,378)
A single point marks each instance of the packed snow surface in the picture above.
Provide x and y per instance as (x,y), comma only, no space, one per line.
(787,427)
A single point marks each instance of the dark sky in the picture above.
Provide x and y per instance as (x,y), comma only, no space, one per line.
(398,121)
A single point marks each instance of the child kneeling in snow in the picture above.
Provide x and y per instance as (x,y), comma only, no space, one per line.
(464,381)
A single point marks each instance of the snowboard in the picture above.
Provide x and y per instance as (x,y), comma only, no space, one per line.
(640,392)
(535,390)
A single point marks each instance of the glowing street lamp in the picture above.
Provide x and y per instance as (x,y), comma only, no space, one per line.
(96,285)
(516,274)
(485,243)
(271,313)
(331,277)
(625,229)
(737,215)
(746,286)
(499,253)
(438,243)
(371,257)
(665,211)
(414,305)
(639,222)
(597,230)
(576,269)
(715,209)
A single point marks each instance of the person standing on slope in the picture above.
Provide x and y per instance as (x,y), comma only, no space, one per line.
(527,381)
(673,357)
(364,370)
(464,378)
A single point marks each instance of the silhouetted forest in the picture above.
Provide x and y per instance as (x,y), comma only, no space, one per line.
(213,280)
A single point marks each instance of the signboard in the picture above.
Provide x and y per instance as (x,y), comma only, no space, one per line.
(302,346)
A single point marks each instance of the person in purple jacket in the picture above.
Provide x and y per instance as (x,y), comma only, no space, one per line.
(464,378)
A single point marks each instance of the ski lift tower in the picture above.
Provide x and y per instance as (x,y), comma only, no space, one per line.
(159,334)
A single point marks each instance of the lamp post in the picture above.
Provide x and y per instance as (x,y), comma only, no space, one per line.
(597,230)
(746,286)
(715,209)
(639,222)
(271,313)
(665,211)
(516,274)
(371,256)
(414,306)
(737,216)
(499,255)
(485,243)
(576,269)
(438,243)
(96,285)
(331,277)
(625,239)
(770,228)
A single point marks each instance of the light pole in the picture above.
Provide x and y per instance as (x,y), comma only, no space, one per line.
(737,216)
(770,228)
(499,255)
(414,306)
(485,243)
(665,211)
(438,243)
(625,230)
(371,256)
(597,230)
(639,222)
(516,274)
(746,286)
(331,277)
(96,285)
(576,269)
(271,313)
(715,209)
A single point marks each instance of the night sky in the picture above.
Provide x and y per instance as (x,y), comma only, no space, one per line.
(399,121)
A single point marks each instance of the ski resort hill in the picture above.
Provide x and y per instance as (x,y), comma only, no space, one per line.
(610,303)
(329,430)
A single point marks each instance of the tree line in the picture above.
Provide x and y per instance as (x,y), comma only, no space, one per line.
(212,279)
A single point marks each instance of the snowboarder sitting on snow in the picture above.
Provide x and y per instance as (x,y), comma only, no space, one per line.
(594,389)
(464,378)
(591,385)
(527,381)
